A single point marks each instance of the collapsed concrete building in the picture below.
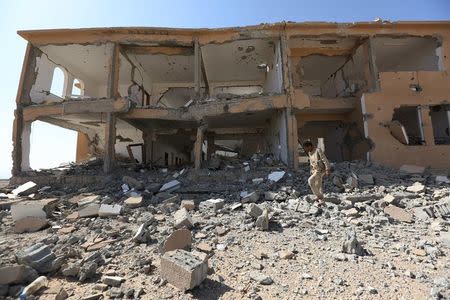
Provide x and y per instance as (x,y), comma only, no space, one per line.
(377,91)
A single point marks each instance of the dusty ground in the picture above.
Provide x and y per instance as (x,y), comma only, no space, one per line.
(403,260)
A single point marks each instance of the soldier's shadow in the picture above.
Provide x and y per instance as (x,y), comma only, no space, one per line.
(211,290)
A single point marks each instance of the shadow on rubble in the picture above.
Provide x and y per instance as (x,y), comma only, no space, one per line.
(212,289)
(275,227)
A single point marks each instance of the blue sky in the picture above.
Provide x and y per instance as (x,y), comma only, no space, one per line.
(56,145)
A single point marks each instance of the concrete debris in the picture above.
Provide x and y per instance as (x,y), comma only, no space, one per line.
(179,239)
(107,210)
(133,183)
(398,214)
(262,222)
(40,257)
(276,176)
(182,219)
(86,200)
(250,197)
(188,204)
(257,180)
(25,189)
(30,224)
(142,235)
(254,210)
(351,244)
(17,274)
(286,254)
(442,179)
(212,204)
(33,287)
(33,208)
(366,178)
(417,187)
(90,210)
(261,278)
(170,186)
(115,281)
(412,169)
(183,269)
(133,202)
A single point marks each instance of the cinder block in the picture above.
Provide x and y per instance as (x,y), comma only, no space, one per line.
(183,269)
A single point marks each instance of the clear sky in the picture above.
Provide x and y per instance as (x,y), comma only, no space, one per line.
(53,146)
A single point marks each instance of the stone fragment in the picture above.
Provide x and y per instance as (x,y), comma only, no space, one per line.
(133,202)
(142,235)
(442,179)
(71,269)
(366,178)
(188,204)
(107,210)
(182,219)
(389,198)
(170,186)
(25,189)
(257,180)
(86,200)
(270,196)
(29,224)
(254,210)
(95,296)
(221,231)
(351,244)
(262,222)
(33,208)
(250,197)
(276,176)
(133,182)
(183,269)
(412,169)
(417,187)
(87,270)
(398,213)
(351,212)
(17,274)
(261,278)
(115,281)
(40,257)
(204,247)
(286,254)
(212,204)
(90,210)
(179,239)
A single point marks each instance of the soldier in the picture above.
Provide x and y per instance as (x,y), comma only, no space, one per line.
(319,167)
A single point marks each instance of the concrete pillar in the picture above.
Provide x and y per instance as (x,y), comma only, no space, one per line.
(83,148)
(427,126)
(211,148)
(292,138)
(149,138)
(110,142)
(198,147)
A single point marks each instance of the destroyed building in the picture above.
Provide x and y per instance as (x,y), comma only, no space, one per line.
(164,96)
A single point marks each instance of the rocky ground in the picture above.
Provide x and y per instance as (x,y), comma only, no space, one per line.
(383,234)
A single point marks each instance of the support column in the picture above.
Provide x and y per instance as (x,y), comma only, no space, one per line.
(292,138)
(149,137)
(211,148)
(198,147)
(110,126)
(197,68)
(83,147)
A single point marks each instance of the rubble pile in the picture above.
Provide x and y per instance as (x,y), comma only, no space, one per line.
(235,229)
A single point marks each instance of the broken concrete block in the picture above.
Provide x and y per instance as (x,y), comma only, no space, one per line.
(33,208)
(262,222)
(276,176)
(107,210)
(286,254)
(351,212)
(40,257)
(142,235)
(25,189)
(251,197)
(170,186)
(179,239)
(182,219)
(87,200)
(412,169)
(115,281)
(270,196)
(30,224)
(183,269)
(417,187)
(366,178)
(254,210)
(257,180)
(442,179)
(398,213)
(90,210)
(212,204)
(188,204)
(133,202)
(389,198)
(261,278)
(351,244)
(17,274)
(133,182)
